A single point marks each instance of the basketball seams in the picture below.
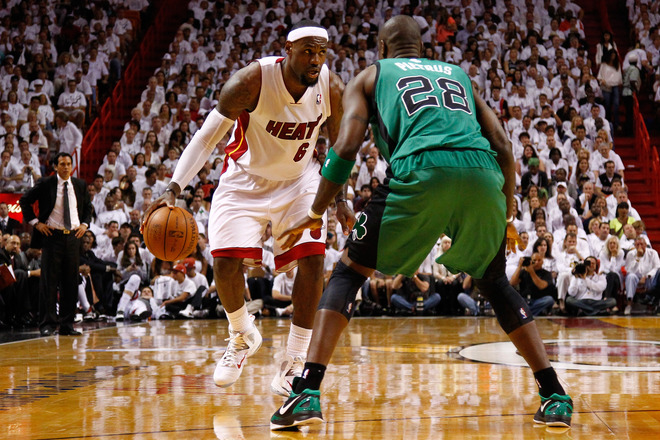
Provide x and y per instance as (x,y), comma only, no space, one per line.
(185,237)
(165,234)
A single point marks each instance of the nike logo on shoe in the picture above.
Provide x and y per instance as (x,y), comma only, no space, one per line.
(544,405)
(288,405)
(241,362)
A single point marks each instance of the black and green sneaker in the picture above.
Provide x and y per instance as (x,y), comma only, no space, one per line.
(555,411)
(299,409)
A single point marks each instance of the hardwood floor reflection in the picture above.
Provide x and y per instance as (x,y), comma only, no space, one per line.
(415,378)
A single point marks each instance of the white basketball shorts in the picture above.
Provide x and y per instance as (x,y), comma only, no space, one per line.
(242,206)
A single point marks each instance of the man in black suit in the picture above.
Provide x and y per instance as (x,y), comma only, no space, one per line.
(64,216)
(8,225)
(17,296)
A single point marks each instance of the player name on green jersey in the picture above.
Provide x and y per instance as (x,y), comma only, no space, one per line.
(428,67)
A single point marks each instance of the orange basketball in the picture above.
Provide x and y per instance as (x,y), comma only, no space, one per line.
(170,233)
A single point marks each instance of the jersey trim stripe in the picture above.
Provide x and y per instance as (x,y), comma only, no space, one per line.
(239,146)
(296,253)
(252,253)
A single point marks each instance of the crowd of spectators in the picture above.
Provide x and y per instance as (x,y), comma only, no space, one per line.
(582,247)
(57,61)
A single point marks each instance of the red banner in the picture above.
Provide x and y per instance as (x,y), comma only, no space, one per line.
(11,200)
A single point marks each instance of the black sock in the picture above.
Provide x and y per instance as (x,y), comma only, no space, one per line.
(312,377)
(548,383)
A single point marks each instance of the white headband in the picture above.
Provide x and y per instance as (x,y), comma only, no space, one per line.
(307,31)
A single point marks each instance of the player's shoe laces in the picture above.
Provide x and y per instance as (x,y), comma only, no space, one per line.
(555,410)
(241,346)
(299,409)
(290,368)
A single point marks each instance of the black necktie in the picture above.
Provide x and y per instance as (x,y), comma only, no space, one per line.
(67,211)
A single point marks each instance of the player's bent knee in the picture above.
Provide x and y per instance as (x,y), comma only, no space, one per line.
(342,288)
(510,308)
(311,265)
(224,266)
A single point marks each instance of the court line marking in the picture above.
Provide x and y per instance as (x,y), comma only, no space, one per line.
(339,422)
(505,353)
(46,338)
(149,349)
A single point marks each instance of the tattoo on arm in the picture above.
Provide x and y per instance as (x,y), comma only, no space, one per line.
(241,92)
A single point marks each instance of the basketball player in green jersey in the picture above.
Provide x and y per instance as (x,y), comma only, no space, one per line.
(452,172)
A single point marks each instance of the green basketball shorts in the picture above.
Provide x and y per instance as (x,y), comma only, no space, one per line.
(457,193)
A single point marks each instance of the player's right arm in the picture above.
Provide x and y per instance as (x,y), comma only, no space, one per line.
(344,214)
(354,124)
(240,93)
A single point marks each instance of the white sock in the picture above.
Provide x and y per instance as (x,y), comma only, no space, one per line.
(298,343)
(82,298)
(123,301)
(239,320)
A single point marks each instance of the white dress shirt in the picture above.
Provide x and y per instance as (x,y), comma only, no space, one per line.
(56,218)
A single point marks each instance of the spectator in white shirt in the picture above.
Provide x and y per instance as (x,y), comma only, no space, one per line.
(10,173)
(602,156)
(84,87)
(567,257)
(585,292)
(642,266)
(367,171)
(158,187)
(67,135)
(110,160)
(129,142)
(599,238)
(73,103)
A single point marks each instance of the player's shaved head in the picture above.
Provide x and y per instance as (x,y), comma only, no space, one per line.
(400,36)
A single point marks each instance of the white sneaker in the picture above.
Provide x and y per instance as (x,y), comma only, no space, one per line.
(187,312)
(289,368)
(204,313)
(241,346)
(90,316)
(120,316)
(627,310)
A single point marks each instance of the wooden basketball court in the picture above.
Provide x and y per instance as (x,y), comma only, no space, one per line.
(402,378)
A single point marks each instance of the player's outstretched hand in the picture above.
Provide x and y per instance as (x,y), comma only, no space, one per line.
(292,235)
(346,217)
(512,237)
(167,199)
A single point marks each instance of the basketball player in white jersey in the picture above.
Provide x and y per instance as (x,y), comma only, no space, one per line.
(276,107)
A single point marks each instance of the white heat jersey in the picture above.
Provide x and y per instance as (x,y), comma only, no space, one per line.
(277,139)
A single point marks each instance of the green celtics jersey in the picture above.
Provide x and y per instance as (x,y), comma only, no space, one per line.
(424,105)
